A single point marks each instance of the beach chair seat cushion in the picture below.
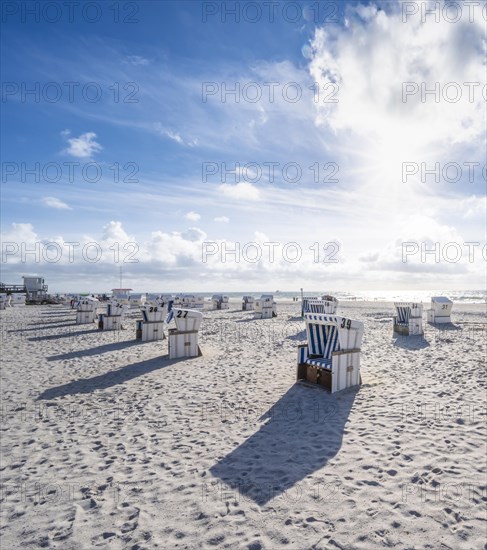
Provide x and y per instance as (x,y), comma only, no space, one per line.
(319,362)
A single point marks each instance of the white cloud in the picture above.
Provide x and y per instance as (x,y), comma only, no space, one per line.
(114,231)
(371,60)
(240,191)
(175,136)
(83,146)
(221,219)
(137,60)
(53,202)
(192,216)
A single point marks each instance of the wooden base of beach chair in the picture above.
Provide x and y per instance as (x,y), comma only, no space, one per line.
(150,331)
(314,375)
(413,328)
(437,319)
(183,344)
(85,317)
(110,322)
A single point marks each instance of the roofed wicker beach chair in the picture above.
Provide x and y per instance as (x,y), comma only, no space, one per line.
(408,320)
(219,301)
(112,319)
(151,327)
(304,303)
(248,303)
(331,357)
(183,340)
(440,311)
(266,306)
(189,301)
(326,304)
(18,300)
(86,310)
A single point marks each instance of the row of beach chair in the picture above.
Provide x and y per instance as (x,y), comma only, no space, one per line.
(329,358)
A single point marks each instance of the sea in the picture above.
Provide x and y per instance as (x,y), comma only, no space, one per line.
(462,296)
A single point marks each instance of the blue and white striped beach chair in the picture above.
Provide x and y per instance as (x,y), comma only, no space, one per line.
(408,319)
(304,303)
(326,304)
(331,357)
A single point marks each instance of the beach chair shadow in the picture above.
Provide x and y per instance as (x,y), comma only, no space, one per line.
(299,337)
(444,327)
(304,430)
(41,326)
(64,335)
(107,379)
(57,322)
(412,343)
(98,350)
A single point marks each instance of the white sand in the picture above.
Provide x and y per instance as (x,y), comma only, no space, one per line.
(106,443)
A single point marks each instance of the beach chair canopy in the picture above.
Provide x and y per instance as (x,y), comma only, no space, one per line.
(405,310)
(330,333)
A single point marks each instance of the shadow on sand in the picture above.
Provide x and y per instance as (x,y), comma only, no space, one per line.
(65,334)
(412,343)
(98,350)
(303,432)
(444,327)
(300,336)
(108,379)
(45,327)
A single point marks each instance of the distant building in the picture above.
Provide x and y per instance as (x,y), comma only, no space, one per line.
(35,287)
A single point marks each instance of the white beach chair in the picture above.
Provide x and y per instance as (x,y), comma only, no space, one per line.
(219,301)
(331,357)
(86,310)
(17,300)
(440,311)
(408,320)
(4,301)
(326,304)
(183,340)
(266,306)
(113,318)
(189,301)
(151,327)
(247,303)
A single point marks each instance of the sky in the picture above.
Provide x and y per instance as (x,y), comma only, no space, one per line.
(212,146)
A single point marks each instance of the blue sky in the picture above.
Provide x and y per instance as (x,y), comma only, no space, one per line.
(161,118)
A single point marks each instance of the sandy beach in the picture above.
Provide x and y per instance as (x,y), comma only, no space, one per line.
(107,443)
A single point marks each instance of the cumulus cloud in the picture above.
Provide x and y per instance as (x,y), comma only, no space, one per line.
(371,60)
(53,202)
(83,146)
(114,231)
(192,216)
